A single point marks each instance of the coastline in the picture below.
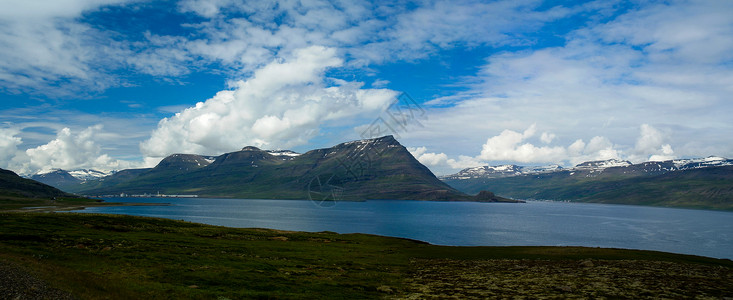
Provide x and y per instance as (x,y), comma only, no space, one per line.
(28,205)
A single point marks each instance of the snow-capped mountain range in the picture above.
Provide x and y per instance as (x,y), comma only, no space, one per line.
(80,174)
(592,168)
(88,174)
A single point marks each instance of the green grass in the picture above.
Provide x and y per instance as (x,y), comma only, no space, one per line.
(17,202)
(156,258)
(124,257)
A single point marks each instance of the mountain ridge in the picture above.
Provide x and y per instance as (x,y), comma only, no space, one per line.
(15,186)
(379,168)
(597,166)
(693,183)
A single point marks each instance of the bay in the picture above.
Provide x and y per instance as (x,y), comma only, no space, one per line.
(686,231)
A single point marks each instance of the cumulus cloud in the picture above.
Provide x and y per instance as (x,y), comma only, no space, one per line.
(508,146)
(547,137)
(440,161)
(71,151)
(666,63)
(650,144)
(515,147)
(8,145)
(282,105)
(68,150)
(644,65)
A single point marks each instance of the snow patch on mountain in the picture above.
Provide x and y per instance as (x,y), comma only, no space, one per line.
(87,174)
(501,171)
(81,174)
(283,153)
(694,163)
(600,165)
(593,168)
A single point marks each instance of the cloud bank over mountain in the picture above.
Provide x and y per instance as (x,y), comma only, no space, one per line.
(516,147)
(127,82)
(282,105)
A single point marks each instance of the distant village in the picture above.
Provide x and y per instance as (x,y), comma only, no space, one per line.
(158,195)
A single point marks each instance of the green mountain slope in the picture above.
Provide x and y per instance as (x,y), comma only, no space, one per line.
(59,179)
(368,169)
(709,188)
(15,186)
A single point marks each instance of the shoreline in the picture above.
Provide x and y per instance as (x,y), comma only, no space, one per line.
(63,207)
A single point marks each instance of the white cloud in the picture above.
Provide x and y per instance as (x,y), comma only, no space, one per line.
(52,50)
(681,31)
(667,64)
(282,105)
(9,142)
(513,147)
(599,148)
(428,158)
(440,163)
(69,151)
(204,8)
(547,137)
(445,24)
(506,147)
(650,144)
(604,81)
(44,48)
(270,30)
(368,32)
(380,83)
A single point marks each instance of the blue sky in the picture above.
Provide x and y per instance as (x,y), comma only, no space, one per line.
(112,84)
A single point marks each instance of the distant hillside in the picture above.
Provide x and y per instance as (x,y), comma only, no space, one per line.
(378,168)
(699,183)
(65,180)
(13,185)
(60,179)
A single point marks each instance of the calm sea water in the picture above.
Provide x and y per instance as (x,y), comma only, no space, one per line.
(698,232)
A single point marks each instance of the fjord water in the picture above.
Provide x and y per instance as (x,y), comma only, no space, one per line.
(698,232)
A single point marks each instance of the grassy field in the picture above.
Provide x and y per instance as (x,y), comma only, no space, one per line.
(21,204)
(55,255)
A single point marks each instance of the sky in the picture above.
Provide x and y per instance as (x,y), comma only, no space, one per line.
(115,84)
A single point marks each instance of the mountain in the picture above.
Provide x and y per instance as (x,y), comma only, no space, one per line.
(694,183)
(57,178)
(63,179)
(15,186)
(500,171)
(88,174)
(378,168)
(600,165)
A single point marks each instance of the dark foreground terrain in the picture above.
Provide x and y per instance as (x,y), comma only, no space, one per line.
(84,256)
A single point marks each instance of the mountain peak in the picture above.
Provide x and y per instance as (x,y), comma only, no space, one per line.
(289,153)
(603,164)
(12,184)
(378,168)
(251,148)
(183,162)
(593,168)
(382,141)
(501,171)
